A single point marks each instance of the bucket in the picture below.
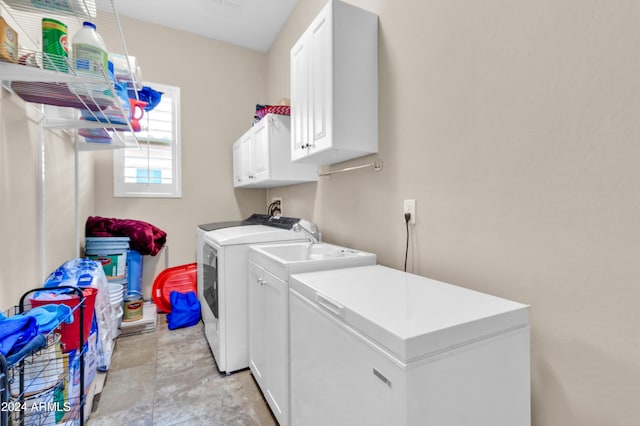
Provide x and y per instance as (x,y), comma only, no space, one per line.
(111,252)
(116,291)
(70,333)
(116,318)
(116,297)
(40,409)
(116,303)
(134,270)
(133,306)
(43,371)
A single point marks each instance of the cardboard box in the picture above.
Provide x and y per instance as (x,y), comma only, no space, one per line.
(8,42)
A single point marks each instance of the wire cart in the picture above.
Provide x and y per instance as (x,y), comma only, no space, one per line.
(45,386)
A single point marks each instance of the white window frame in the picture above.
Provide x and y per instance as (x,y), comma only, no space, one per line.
(151,190)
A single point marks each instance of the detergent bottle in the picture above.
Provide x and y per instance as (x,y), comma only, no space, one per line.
(90,57)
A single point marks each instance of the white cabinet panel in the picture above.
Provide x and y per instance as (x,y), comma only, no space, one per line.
(260,151)
(257,315)
(242,160)
(299,98)
(321,98)
(269,338)
(277,347)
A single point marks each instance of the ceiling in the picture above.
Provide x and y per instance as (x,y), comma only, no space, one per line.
(249,23)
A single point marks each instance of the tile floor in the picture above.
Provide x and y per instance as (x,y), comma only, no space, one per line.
(169,377)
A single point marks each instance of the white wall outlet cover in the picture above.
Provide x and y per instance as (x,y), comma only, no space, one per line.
(410,207)
(277,200)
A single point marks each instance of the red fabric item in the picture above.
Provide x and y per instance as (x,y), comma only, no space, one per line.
(145,238)
(274,109)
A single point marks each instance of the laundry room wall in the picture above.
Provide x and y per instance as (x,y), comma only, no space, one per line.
(37,237)
(220,85)
(515,127)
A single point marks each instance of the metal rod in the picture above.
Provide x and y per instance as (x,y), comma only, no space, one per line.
(42,197)
(76,189)
(377,166)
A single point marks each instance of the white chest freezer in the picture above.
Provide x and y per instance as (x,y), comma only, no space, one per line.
(377,346)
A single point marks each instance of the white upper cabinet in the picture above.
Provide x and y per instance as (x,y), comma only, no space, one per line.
(261,157)
(334,86)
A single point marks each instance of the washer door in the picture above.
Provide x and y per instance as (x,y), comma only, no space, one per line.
(210,278)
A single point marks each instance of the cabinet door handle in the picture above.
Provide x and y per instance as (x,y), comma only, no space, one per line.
(261,282)
(331,306)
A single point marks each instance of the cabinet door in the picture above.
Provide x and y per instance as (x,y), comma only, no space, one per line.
(320,80)
(242,160)
(299,99)
(237,164)
(246,157)
(277,346)
(257,316)
(260,151)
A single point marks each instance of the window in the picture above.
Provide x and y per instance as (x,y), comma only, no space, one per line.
(153,170)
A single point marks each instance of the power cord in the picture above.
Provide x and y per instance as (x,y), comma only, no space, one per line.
(407,218)
(274,209)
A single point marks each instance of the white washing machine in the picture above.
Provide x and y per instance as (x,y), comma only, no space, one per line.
(254,219)
(223,295)
(200,231)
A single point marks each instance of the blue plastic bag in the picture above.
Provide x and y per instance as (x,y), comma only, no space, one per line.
(185,310)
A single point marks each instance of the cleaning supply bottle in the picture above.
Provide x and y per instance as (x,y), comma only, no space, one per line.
(90,57)
(55,49)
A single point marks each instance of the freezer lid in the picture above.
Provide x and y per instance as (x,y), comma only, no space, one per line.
(409,315)
(250,234)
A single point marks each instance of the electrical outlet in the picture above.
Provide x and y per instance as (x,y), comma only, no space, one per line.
(278,201)
(410,207)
